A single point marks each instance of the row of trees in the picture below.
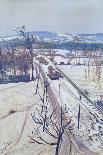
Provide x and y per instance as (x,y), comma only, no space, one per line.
(19,57)
(49,130)
(73,45)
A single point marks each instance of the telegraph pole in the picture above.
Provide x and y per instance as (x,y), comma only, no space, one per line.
(14,61)
(32,65)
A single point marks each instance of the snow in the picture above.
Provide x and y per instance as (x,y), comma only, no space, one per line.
(61,51)
(8,38)
(69,97)
(84,76)
(68,37)
(79,75)
(59,59)
(16,128)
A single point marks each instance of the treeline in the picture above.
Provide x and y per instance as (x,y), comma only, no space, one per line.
(54,45)
(74,46)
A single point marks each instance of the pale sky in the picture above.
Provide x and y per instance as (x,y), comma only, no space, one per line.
(72,16)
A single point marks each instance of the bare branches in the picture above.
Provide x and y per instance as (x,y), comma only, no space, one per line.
(49,128)
(34,141)
(28,41)
(47,121)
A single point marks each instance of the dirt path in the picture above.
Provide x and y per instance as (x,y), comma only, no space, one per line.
(78,147)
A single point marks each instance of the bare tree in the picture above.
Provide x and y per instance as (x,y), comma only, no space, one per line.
(47,122)
(28,43)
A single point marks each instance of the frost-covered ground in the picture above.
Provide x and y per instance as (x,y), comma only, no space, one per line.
(84,76)
(91,125)
(17,102)
(90,132)
(61,51)
(85,79)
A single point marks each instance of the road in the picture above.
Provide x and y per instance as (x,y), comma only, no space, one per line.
(79,147)
(100,111)
(88,109)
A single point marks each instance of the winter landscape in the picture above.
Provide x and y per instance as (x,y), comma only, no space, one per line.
(51,82)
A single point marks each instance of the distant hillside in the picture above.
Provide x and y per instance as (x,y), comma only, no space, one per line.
(50,36)
(63,41)
(57,37)
(98,37)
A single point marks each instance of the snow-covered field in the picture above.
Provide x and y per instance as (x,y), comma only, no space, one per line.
(90,132)
(17,102)
(86,79)
(84,76)
(61,51)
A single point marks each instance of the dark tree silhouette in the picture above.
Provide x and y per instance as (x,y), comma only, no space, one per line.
(28,43)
